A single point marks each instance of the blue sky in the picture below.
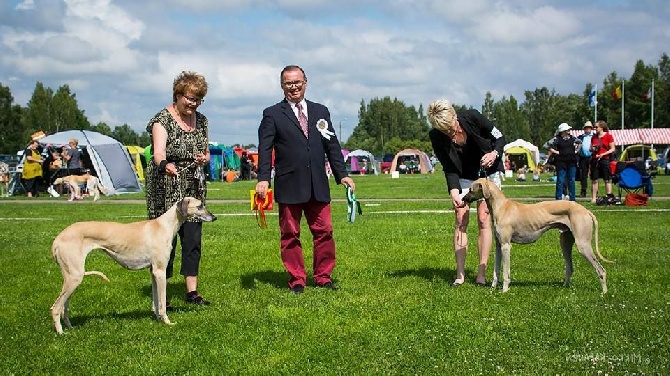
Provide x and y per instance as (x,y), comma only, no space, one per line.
(119,56)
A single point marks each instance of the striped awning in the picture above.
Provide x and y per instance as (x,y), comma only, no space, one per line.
(659,136)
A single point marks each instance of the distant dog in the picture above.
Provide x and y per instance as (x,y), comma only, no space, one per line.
(93,185)
(514,222)
(135,246)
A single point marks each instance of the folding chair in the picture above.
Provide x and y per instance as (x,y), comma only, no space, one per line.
(632,180)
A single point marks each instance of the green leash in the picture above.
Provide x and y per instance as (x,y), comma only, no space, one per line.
(353,206)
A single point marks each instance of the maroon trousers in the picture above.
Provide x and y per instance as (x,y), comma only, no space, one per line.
(321,226)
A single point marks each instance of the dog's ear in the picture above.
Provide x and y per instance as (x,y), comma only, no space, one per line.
(182,207)
(486,192)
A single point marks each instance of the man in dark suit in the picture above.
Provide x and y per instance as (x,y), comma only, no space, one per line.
(303,138)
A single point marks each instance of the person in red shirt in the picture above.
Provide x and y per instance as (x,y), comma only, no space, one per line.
(602,150)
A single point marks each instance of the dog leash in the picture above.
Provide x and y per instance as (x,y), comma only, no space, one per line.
(353,206)
(259,209)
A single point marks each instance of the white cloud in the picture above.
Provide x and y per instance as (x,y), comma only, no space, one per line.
(121,56)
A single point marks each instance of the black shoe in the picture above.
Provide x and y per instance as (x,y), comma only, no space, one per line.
(583,194)
(481,284)
(168,306)
(194,298)
(329,285)
(297,289)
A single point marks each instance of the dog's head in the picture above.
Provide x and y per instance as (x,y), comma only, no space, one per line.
(191,207)
(480,189)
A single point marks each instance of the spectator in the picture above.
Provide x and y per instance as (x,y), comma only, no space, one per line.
(32,169)
(584,157)
(602,150)
(564,147)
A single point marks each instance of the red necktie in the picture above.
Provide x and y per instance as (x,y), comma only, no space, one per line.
(302,119)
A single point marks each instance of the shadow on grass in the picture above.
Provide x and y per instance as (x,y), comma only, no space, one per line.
(175,288)
(429,274)
(142,314)
(270,277)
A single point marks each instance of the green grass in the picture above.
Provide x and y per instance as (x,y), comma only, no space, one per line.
(395,313)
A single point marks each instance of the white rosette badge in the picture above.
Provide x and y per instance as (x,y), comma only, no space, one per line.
(322,127)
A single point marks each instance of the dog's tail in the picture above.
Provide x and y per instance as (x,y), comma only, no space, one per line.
(95,272)
(595,223)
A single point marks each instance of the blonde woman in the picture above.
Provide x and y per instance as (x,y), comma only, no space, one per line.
(468,146)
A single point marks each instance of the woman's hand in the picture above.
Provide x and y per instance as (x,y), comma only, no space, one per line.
(201,159)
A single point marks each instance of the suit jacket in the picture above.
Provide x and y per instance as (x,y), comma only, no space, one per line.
(300,162)
(487,138)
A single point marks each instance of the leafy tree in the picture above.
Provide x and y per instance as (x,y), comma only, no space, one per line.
(14,136)
(65,111)
(536,109)
(125,135)
(102,128)
(37,115)
(53,113)
(384,119)
(510,119)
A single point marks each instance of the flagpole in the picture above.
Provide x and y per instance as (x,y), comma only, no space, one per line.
(623,94)
(595,108)
(652,108)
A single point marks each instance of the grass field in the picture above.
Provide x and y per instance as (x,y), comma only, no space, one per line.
(395,313)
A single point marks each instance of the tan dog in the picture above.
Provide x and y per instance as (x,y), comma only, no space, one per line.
(135,246)
(514,222)
(93,185)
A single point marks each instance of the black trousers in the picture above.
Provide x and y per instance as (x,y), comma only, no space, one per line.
(583,173)
(190,234)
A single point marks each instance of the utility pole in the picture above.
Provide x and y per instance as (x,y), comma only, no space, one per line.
(340,137)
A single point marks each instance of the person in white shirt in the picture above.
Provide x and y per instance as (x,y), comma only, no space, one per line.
(584,154)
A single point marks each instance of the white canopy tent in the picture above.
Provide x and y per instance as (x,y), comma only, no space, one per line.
(354,157)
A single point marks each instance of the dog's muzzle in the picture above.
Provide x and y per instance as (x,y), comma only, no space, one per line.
(469,198)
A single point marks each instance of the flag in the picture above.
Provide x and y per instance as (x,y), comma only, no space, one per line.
(616,94)
(647,95)
(593,100)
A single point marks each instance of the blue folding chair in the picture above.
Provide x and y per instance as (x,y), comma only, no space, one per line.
(632,180)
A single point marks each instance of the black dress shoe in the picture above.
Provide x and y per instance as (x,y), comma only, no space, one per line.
(329,285)
(298,289)
(194,298)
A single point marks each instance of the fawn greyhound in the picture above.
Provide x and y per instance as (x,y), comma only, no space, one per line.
(135,246)
(514,222)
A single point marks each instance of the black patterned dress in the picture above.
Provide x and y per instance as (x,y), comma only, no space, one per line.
(162,190)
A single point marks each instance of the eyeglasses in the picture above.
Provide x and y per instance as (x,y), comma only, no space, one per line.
(195,100)
(293,84)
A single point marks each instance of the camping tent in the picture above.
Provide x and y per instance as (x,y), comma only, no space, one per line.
(356,156)
(108,158)
(412,154)
(638,152)
(139,160)
(522,153)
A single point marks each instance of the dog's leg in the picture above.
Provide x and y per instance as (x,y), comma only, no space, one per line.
(567,241)
(587,251)
(506,247)
(161,290)
(61,306)
(496,264)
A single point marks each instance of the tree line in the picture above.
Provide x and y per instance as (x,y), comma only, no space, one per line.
(52,112)
(385,125)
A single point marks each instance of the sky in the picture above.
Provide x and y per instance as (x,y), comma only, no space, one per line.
(120,57)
